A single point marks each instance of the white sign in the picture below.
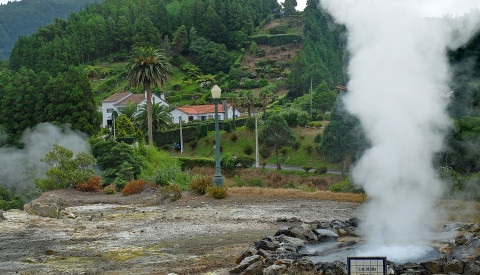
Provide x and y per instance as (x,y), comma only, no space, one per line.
(367,265)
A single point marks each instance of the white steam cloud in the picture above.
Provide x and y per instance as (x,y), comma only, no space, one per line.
(19,167)
(398,72)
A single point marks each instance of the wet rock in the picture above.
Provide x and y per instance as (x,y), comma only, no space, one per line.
(335,268)
(245,264)
(326,235)
(51,210)
(435,266)
(446,248)
(461,240)
(275,270)
(453,265)
(297,232)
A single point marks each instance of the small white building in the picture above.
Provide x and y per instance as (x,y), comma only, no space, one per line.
(118,101)
(203,112)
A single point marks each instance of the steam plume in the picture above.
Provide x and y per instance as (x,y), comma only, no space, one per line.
(398,72)
(20,167)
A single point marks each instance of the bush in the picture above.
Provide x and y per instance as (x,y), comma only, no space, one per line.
(289,185)
(256,182)
(264,152)
(245,161)
(296,145)
(10,201)
(302,119)
(283,151)
(321,170)
(109,190)
(134,187)
(234,137)
(92,185)
(308,148)
(345,187)
(172,192)
(316,124)
(263,164)
(248,149)
(200,185)
(307,168)
(217,192)
(189,163)
(318,138)
(250,123)
(228,163)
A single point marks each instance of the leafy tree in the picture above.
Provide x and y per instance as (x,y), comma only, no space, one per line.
(464,143)
(130,110)
(160,117)
(289,7)
(146,35)
(148,67)
(179,39)
(211,57)
(276,134)
(124,126)
(341,137)
(65,171)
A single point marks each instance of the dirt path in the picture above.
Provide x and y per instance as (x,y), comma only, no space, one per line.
(129,235)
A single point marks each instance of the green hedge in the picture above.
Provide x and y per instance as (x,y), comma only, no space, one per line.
(189,163)
(277,40)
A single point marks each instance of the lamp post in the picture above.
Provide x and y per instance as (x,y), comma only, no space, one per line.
(217,179)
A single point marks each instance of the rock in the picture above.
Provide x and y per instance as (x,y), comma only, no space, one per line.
(471,268)
(275,270)
(302,267)
(297,232)
(245,263)
(267,243)
(325,235)
(453,265)
(446,248)
(254,269)
(461,240)
(354,222)
(250,251)
(2,217)
(51,210)
(435,266)
(295,242)
(335,268)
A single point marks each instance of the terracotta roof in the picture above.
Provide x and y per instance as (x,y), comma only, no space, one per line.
(201,109)
(343,88)
(134,98)
(116,96)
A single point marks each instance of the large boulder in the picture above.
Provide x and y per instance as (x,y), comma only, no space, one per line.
(325,235)
(245,265)
(435,266)
(51,210)
(297,231)
(275,269)
(453,265)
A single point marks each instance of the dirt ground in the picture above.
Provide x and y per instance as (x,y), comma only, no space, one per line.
(115,234)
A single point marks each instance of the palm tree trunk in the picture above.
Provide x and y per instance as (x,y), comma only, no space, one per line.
(278,160)
(149,113)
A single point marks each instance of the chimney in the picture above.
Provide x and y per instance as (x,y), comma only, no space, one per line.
(225,109)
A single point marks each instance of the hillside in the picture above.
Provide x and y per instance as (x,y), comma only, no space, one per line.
(24,17)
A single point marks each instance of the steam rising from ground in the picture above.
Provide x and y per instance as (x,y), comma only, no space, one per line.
(20,167)
(398,72)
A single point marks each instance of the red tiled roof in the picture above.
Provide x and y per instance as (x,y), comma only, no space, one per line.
(201,109)
(134,98)
(116,96)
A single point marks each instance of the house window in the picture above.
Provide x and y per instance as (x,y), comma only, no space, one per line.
(190,118)
(202,118)
(109,111)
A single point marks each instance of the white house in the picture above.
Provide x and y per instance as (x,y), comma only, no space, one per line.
(203,112)
(118,101)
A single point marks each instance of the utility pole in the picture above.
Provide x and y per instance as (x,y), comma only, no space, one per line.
(257,164)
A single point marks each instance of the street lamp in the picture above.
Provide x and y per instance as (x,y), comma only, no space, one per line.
(217,179)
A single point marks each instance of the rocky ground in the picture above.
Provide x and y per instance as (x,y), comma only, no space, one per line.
(101,234)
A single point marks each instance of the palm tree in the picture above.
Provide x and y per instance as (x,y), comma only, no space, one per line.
(148,67)
(160,117)
(265,94)
(249,99)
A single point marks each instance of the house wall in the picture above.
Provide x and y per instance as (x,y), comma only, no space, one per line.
(175,113)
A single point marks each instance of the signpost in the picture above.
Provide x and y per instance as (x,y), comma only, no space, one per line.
(367,265)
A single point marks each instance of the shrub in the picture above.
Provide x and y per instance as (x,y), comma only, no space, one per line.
(296,145)
(263,164)
(264,152)
(193,144)
(302,119)
(92,185)
(134,187)
(234,137)
(308,148)
(109,190)
(248,149)
(289,185)
(200,185)
(189,163)
(256,182)
(318,138)
(345,186)
(250,123)
(228,163)
(326,117)
(307,168)
(321,170)
(283,151)
(245,161)
(315,124)
(172,192)
(217,192)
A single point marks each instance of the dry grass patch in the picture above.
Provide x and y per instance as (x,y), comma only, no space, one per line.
(294,194)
